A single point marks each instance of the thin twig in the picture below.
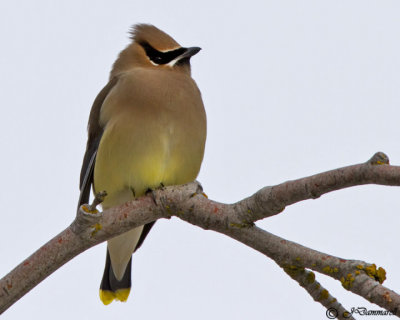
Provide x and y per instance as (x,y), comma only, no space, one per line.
(306,279)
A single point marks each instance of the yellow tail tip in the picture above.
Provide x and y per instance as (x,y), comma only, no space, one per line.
(107,296)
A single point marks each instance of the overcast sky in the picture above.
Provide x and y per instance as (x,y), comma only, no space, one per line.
(291,88)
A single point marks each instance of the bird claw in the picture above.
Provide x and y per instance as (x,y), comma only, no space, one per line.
(98,198)
(151,194)
(199,190)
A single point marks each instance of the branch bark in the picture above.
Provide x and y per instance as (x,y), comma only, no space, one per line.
(234,220)
(306,279)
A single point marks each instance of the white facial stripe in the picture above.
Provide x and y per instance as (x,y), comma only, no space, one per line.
(168,50)
(153,63)
(172,63)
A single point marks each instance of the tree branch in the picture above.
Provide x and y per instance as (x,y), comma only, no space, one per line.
(356,276)
(235,220)
(306,279)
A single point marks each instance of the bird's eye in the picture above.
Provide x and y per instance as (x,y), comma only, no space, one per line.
(159,57)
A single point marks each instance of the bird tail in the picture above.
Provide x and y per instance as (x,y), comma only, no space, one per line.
(113,289)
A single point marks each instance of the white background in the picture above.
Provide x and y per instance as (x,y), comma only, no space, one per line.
(291,88)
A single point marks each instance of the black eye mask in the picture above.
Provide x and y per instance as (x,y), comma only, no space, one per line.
(159,57)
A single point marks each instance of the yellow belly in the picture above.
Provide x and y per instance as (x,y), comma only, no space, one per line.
(131,159)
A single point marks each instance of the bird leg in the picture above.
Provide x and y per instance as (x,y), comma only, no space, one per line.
(98,198)
(199,190)
(150,192)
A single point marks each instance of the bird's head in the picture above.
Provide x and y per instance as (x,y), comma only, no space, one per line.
(153,48)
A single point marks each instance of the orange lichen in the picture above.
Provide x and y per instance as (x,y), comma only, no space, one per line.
(324,295)
(96,228)
(376,274)
(347,282)
(310,277)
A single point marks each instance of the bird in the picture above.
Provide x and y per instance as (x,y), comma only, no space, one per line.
(146,130)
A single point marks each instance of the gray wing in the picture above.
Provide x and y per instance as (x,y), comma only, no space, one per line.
(95,132)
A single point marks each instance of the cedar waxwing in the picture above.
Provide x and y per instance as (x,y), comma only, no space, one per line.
(147,129)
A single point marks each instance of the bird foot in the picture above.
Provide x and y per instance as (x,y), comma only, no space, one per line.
(151,194)
(98,198)
(199,190)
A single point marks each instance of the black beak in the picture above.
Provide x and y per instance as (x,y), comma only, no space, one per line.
(189,52)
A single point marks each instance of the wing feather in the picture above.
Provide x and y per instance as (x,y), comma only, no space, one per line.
(95,132)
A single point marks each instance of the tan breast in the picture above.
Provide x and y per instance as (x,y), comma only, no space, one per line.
(155,132)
